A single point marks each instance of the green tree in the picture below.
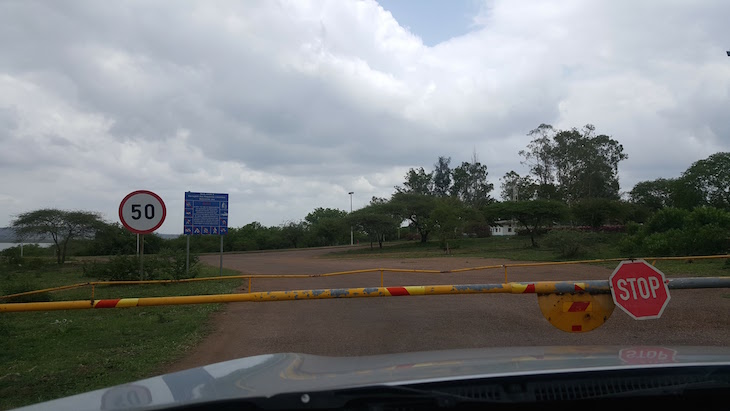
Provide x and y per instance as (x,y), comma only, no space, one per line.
(442,177)
(711,177)
(417,209)
(61,225)
(417,182)
(595,212)
(515,188)
(539,156)
(376,220)
(293,233)
(327,226)
(533,215)
(471,185)
(573,164)
(655,194)
(587,164)
(449,218)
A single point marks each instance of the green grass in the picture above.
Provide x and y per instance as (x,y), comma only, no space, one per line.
(519,248)
(509,247)
(47,355)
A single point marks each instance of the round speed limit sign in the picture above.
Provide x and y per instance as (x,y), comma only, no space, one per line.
(142,212)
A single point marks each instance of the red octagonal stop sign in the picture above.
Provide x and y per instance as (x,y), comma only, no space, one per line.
(639,289)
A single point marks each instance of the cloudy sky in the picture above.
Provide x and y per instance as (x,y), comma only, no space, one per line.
(289,105)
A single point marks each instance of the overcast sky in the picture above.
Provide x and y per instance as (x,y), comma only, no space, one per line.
(289,105)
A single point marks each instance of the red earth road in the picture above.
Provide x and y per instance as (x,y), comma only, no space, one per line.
(364,326)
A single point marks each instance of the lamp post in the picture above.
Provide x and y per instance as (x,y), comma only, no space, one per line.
(351,234)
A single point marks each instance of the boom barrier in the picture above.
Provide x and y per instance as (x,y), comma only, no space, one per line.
(571,306)
(382,271)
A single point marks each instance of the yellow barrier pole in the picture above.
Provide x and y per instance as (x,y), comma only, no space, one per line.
(381,277)
(45,290)
(593,286)
(249,284)
(505,272)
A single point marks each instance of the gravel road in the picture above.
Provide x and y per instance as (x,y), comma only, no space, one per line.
(350,327)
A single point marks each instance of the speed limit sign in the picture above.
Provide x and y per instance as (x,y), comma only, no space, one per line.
(142,212)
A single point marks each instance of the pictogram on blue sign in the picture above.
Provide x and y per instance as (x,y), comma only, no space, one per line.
(205,214)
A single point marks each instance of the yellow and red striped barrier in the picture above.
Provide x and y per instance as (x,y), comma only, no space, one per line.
(250,277)
(542,287)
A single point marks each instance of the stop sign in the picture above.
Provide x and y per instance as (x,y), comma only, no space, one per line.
(639,289)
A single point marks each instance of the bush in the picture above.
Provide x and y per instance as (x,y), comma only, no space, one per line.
(569,243)
(670,231)
(168,265)
(117,268)
(17,288)
(174,264)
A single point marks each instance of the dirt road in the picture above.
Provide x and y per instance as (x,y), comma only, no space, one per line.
(347,327)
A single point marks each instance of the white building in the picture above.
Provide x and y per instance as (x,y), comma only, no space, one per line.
(504,227)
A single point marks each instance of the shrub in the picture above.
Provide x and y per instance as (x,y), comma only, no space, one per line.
(569,243)
(671,231)
(17,288)
(168,264)
(173,264)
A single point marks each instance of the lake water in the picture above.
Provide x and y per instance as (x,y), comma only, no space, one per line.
(3,246)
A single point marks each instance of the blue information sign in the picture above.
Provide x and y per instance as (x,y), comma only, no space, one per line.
(206,214)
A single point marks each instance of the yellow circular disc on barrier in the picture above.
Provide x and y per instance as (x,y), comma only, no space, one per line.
(576,313)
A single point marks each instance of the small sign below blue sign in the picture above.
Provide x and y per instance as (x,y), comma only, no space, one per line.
(206,214)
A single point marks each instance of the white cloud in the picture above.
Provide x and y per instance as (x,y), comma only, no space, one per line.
(289,105)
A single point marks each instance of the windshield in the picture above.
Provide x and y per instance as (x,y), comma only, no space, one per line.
(356,178)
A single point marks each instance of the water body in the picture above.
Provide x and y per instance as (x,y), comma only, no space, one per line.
(4,246)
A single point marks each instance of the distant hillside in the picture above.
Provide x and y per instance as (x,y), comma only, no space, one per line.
(7,235)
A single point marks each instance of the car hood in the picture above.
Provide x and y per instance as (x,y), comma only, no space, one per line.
(271,374)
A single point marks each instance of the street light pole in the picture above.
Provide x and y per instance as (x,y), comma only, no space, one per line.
(351,233)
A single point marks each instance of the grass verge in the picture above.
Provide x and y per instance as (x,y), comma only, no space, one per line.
(519,248)
(48,355)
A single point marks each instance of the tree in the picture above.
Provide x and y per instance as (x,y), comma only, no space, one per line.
(587,165)
(471,185)
(417,182)
(62,226)
(327,226)
(293,233)
(595,212)
(573,164)
(417,209)
(655,194)
(442,177)
(449,218)
(711,177)
(541,160)
(514,187)
(375,220)
(111,239)
(532,215)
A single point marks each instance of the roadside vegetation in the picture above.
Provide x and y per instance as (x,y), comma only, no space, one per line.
(48,355)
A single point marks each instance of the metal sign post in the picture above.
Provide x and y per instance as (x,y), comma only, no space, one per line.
(142,212)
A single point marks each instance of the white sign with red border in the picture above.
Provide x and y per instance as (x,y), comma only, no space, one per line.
(142,212)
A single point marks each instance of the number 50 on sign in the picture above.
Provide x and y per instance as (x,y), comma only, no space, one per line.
(142,212)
